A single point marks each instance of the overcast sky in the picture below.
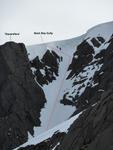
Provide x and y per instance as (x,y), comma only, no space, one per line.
(65,18)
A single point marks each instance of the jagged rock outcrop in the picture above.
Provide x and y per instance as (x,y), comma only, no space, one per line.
(47,68)
(91,72)
(21,99)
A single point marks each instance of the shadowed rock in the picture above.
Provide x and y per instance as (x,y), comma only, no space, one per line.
(47,69)
(21,99)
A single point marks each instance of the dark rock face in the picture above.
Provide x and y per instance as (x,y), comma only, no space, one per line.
(84,55)
(21,99)
(95,42)
(47,68)
(93,129)
(101,39)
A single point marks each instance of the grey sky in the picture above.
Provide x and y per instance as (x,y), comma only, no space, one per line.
(66,18)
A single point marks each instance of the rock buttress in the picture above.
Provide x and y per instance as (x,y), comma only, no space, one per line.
(21,99)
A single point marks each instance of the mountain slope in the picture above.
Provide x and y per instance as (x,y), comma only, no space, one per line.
(75,73)
(87,86)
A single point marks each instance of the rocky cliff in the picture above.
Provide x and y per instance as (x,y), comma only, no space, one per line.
(46,70)
(21,99)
